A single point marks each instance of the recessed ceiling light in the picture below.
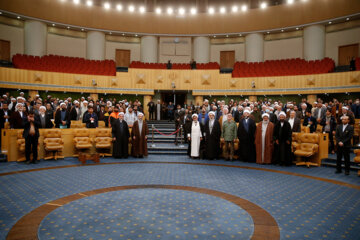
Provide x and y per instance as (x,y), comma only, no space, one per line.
(0,13)
(18,17)
(222,10)
(89,3)
(304,0)
(244,8)
(53,24)
(76,1)
(158,10)
(131,8)
(119,7)
(169,11)
(290,1)
(240,35)
(142,9)
(193,11)
(330,22)
(136,35)
(263,5)
(297,28)
(227,35)
(214,36)
(347,19)
(211,10)
(282,30)
(267,32)
(110,33)
(181,11)
(123,34)
(82,29)
(68,27)
(234,8)
(107,6)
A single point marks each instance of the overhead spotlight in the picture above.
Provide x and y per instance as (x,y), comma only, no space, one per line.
(142,9)
(76,1)
(222,10)
(267,32)
(263,5)
(234,9)
(68,27)
(211,10)
(330,22)
(89,3)
(169,11)
(214,36)
(227,35)
(123,34)
(131,8)
(158,10)
(181,11)
(240,35)
(244,8)
(119,7)
(282,30)
(297,28)
(193,11)
(347,19)
(53,24)
(107,6)
(0,13)
(110,33)
(18,17)
(290,1)
(82,29)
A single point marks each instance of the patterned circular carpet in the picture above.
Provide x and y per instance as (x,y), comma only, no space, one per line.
(306,203)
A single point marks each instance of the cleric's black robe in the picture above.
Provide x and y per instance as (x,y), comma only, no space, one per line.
(120,131)
(247,150)
(212,141)
(282,151)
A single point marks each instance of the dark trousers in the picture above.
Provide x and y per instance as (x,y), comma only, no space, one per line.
(31,144)
(331,141)
(152,115)
(343,151)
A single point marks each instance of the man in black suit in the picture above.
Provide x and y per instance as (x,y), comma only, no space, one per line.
(282,136)
(295,122)
(329,126)
(246,135)
(212,137)
(43,118)
(310,121)
(344,134)
(31,135)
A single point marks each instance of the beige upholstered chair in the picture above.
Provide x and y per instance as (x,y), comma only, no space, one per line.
(53,143)
(103,141)
(307,148)
(357,158)
(21,146)
(82,140)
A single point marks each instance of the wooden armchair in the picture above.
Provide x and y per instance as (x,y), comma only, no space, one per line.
(53,143)
(307,148)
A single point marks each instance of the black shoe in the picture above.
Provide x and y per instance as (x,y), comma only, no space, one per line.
(35,162)
(338,171)
(27,162)
(347,173)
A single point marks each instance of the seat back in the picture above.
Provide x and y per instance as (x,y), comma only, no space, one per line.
(20,134)
(305,129)
(81,132)
(309,138)
(103,132)
(53,141)
(82,140)
(52,133)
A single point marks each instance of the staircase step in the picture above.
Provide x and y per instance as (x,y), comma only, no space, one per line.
(167,153)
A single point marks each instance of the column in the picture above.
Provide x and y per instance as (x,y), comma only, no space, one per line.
(311,98)
(95,45)
(149,49)
(253,98)
(199,99)
(35,35)
(254,47)
(314,42)
(147,99)
(201,49)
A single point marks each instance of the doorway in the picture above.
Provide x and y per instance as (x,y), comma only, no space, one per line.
(227,59)
(346,53)
(5,50)
(122,58)
(175,97)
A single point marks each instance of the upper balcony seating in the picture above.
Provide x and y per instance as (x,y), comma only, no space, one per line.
(54,63)
(138,64)
(285,67)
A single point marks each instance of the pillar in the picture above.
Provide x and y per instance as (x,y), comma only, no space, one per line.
(201,49)
(95,45)
(35,36)
(252,98)
(199,99)
(314,42)
(33,93)
(94,96)
(147,99)
(311,98)
(149,49)
(254,47)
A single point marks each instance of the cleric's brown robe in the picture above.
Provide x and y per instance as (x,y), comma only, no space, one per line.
(139,145)
(269,145)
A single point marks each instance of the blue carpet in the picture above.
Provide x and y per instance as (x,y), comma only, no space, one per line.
(304,208)
(148,214)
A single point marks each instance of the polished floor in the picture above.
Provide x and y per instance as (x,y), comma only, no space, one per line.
(174,197)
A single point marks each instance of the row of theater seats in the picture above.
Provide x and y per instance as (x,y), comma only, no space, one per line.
(184,66)
(284,67)
(54,63)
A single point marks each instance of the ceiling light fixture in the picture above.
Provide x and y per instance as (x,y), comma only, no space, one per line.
(169,11)
(290,1)
(53,24)
(89,3)
(107,6)
(181,11)
(211,10)
(234,9)
(263,5)
(222,10)
(244,8)
(68,27)
(330,22)
(297,28)
(76,1)
(142,9)
(347,19)
(119,7)
(82,29)
(158,10)
(193,11)
(131,8)
(18,17)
